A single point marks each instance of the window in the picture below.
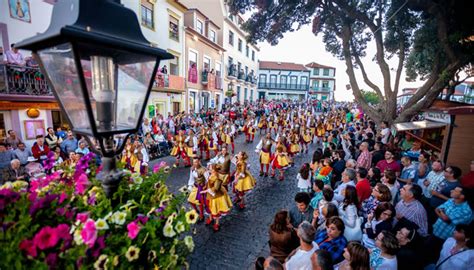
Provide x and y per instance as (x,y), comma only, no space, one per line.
(326,72)
(315,71)
(283,80)
(231,61)
(218,68)
(238,93)
(147,14)
(206,63)
(231,38)
(325,85)
(240,45)
(304,82)
(315,84)
(251,94)
(273,80)
(239,66)
(212,35)
(245,93)
(192,58)
(174,28)
(247,51)
(262,78)
(174,66)
(199,26)
(293,81)
(246,70)
(253,55)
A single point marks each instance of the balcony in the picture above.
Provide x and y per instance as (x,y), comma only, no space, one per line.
(204,77)
(251,79)
(232,71)
(169,83)
(283,86)
(23,81)
(241,75)
(320,89)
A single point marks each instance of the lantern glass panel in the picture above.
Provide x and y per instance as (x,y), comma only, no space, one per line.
(58,61)
(117,82)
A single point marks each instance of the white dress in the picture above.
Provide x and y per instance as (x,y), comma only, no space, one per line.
(302,183)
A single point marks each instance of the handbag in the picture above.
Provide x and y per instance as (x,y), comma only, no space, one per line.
(355,233)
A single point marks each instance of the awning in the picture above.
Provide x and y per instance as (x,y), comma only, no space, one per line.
(417,125)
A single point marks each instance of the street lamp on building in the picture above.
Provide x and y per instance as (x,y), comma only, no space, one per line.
(101,69)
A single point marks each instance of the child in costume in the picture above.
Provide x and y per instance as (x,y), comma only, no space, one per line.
(279,162)
(244,181)
(218,201)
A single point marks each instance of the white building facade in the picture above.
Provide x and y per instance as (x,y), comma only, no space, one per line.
(240,57)
(280,80)
(162,23)
(322,81)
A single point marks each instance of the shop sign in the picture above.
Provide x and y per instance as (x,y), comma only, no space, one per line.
(438,117)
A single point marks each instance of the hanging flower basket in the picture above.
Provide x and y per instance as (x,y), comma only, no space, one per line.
(64,221)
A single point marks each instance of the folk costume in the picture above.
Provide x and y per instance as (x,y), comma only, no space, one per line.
(279,162)
(264,149)
(179,149)
(191,144)
(244,181)
(197,184)
(262,125)
(204,141)
(222,163)
(250,131)
(218,200)
(129,157)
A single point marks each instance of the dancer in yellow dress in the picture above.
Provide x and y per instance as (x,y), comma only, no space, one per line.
(264,149)
(218,200)
(244,181)
(279,162)
(179,149)
(197,184)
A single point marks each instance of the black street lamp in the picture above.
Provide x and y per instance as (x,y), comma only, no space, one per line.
(101,69)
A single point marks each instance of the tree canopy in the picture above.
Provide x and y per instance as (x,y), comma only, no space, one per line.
(432,39)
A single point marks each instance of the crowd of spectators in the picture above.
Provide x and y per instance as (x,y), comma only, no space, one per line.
(388,204)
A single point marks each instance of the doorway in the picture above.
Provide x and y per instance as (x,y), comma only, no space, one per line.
(59,120)
(176,108)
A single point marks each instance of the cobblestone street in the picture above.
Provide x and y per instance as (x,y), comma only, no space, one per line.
(244,233)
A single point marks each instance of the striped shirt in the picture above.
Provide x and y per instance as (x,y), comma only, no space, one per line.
(414,212)
(364,160)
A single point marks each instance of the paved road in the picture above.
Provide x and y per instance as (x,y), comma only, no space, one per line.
(244,233)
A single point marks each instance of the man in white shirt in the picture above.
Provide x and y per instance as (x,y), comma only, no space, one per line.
(300,258)
(348,177)
(14,57)
(385,132)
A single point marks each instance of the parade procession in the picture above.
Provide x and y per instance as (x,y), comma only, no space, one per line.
(237,134)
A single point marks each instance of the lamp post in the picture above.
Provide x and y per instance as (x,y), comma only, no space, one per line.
(101,69)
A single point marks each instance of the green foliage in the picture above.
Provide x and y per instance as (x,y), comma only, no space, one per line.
(370,97)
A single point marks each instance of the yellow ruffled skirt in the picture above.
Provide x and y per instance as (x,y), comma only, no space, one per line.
(264,158)
(245,184)
(220,205)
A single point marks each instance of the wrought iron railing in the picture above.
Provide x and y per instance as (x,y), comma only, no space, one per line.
(23,80)
(283,86)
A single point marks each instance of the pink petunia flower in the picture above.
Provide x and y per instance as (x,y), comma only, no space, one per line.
(82,217)
(46,238)
(62,197)
(89,233)
(82,183)
(133,229)
(157,167)
(62,231)
(29,247)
